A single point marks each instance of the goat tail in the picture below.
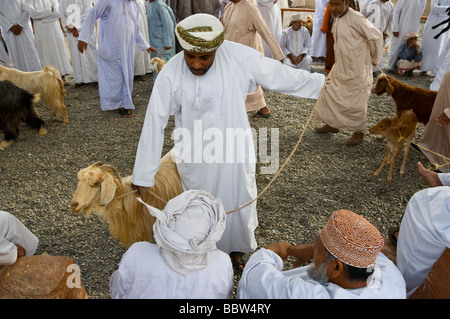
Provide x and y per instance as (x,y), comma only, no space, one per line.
(57,74)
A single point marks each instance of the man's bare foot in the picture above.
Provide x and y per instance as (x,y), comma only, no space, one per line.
(430,177)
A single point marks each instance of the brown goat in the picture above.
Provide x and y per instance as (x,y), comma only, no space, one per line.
(397,131)
(406,97)
(114,199)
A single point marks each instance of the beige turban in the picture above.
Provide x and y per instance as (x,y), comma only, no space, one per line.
(188,229)
(352,239)
(296,17)
(411,35)
(200,33)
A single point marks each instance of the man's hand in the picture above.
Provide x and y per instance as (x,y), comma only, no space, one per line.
(20,251)
(303,253)
(280,248)
(395,34)
(82,46)
(16,29)
(292,58)
(150,49)
(442,119)
(74,31)
(140,190)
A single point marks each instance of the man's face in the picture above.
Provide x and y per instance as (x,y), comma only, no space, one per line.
(338,7)
(317,270)
(296,25)
(199,63)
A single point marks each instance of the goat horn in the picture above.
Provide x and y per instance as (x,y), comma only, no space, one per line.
(112,168)
(97,164)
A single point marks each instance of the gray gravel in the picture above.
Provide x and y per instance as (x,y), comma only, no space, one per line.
(38,176)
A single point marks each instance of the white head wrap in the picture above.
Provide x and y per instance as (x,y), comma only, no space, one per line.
(188,229)
(200,33)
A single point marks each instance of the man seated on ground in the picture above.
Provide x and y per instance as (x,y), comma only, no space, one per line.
(410,55)
(347,263)
(15,239)
(184,263)
(424,234)
(296,43)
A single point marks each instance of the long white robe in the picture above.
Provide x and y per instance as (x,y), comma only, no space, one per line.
(264,278)
(358,45)
(424,234)
(21,48)
(318,38)
(296,43)
(85,66)
(431,47)
(3,54)
(209,112)
(144,274)
(271,13)
(142,63)
(12,232)
(407,14)
(49,38)
(119,32)
(381,14)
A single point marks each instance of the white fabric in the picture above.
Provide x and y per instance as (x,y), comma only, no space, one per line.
(444,178)
(85,66)
(188,229)
(318,38)
(296,43)
(142,63)
(381,14)
(237,70)
(12,232)
(431,47)
(22,50)
(264,278)
(440,68)
(407,14)
(271,13)
(144,274)
(424,234)
(49,38)
(201,19)
(3,54)
(119,32)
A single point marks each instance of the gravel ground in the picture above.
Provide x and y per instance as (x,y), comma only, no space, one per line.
(38,176)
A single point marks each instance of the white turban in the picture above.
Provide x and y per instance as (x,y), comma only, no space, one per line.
(188,229)
(200,33)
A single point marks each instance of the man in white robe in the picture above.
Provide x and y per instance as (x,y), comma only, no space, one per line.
(381,14)
(431,47)
(142,64)
(4,57)
(347,264)
(85,66)
(18,35)
(185,262)
(119,32)
(407,14)
(271,12)
(424,234)
(16,240)
(205,88)
(296,43)
(318,38)
(49,38)
(358,45)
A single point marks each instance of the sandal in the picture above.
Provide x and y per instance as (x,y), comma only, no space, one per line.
(237,261)
(261,115)
(125,112)
(391,233)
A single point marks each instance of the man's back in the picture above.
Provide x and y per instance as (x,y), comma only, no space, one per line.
(144,274)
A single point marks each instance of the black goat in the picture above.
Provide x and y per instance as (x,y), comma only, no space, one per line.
(17,105)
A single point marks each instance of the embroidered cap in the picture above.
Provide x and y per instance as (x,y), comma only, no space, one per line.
(411,35)
(200,33)
(352,239)
(296,17)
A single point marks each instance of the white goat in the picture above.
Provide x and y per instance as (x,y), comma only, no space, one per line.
(48,83)
(99,191)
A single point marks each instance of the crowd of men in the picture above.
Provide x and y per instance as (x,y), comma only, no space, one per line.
(228,53)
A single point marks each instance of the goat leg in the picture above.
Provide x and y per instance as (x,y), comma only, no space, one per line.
(392,162)
(385,160)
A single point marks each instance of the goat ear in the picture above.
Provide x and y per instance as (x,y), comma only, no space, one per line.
(389,88)
(107,189)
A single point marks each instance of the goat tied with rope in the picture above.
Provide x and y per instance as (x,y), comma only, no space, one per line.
(398,132)
(406,97)
(48,83)
(114,199)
